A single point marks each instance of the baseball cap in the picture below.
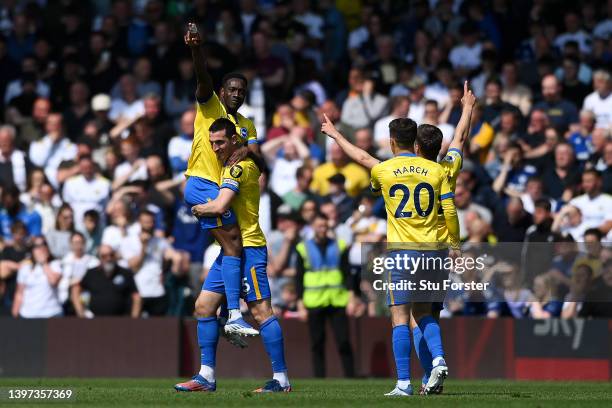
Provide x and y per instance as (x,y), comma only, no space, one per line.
(101,102)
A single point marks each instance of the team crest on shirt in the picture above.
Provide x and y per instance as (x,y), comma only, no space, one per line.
(236,171)
(118,280)
(244,133)
(226,214)
(449,158)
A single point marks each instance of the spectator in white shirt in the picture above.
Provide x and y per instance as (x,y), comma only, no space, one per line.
(127,106)
(179,147)
(600,101)
(14,164)
(364,106)
(283,168)
(574,33)
(53,149)
(90,181)
(595,206)
(36,295)
(465,56)
(400,106)
(313,22)
(432,117)
(133,168)
(145,255)
(74,265)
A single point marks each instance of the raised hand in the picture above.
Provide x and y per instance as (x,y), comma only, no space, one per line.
(328,128)
(192,36)
(469,99)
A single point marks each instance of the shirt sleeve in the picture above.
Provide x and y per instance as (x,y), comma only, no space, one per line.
(233,176)
(212,108)
(375,185)
(251,133)
(450,212)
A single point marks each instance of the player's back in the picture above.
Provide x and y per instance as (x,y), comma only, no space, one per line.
(243,178)
(412,188)
(451,164)
(202,160)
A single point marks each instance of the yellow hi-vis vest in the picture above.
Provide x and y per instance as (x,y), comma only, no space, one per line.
(323,279)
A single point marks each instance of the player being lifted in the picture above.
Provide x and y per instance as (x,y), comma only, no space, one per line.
(240,190)
(204,170)
(423,313)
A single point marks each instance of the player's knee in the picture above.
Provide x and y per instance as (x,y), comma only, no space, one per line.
(203,308)
(420,310)
(400,315)
(261,310)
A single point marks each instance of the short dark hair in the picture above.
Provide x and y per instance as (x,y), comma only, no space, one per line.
(319,214)
(77,234)
(299,173)
(592,171)
(146,212)
(93,214)
(594,231)
(223,124)
(543,203)
(494,80)
(429,139)
(404,132)
(234,75)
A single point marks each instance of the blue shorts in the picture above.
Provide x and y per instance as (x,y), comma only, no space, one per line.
(200,191)
(254,277)
(422,283)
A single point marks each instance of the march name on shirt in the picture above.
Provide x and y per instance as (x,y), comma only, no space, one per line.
(410,169)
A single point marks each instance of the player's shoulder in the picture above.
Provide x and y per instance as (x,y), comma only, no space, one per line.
(245,167)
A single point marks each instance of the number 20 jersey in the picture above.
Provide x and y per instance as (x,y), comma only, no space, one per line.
(412,188)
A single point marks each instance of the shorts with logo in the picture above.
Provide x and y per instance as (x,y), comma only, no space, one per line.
(200,191)
(253,264)
(424,267)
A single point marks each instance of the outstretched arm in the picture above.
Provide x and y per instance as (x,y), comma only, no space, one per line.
(462,130)
(359,155)
(216,207)
(193,40)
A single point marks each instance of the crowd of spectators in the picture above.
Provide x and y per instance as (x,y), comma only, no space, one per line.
(96,114)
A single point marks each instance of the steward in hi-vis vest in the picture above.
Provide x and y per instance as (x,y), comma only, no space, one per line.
(325,290)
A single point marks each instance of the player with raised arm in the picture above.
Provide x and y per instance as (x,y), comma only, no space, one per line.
(412,185)
(204,170)
(451,164)
(239,192)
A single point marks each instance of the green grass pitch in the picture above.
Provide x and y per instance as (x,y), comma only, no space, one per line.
(119,393)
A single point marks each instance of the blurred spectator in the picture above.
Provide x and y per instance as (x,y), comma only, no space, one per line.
(58,238)
(600,101)
(145,254)
(53,149)
(511,221)
(581,140)
(574,90)
(111,288)
(271,69)
(494,105)
(13,210)
(514,173)
(36,295)
(562,180)
(573,33)
(595,302)
(568,221)
(325,293)
(431,116)
(514,297)
(561,112)
(31,129)
(74,266)
(481,135)
(125,105)
(330,109)
(179,148)
(365,141)
(301,192)
(11,257)
(385,67)
(92,231)
(179,93)
(89,180)
(594,205)
(463,201)
(14,164)
(534,191)
(545,304)
(133,168)
(285,154)
(535,256)
(607,174)
(28,73)
(78,112)
(580,284)
(357,178)
(337,195)
(363,105)
(513,91)
(465,56)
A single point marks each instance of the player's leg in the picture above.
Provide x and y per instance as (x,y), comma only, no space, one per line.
(257,295)
(208,337)
(229,238)
(316,331)
(422,351)
(430,330)
(340,327)
(226,231)
(400,319)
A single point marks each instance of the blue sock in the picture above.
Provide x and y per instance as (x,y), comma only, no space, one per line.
(422,351)
(208,337)
(431,332)
(401,351)
(272,336)
(230,270)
